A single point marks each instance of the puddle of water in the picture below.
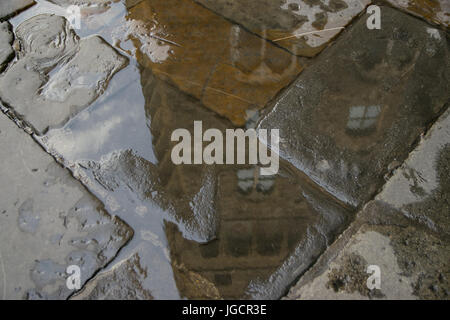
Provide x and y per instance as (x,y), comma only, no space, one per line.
(200,231)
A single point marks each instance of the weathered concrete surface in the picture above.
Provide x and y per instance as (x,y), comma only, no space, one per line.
(9,8)
(437,11)
(48,221)
(6,40)
(229,69)
(57,74)
(420,188)
(404,231)
(122,282)
(355,114)
(303,27)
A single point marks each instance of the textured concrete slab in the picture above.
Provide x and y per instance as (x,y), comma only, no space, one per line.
(413,261)
(420,188)
(229,69)
(356,113)
(6,40)
(48,221)
(9,8)
(405,232)
(437,11)
(303,27)
(48,84)
(122,282)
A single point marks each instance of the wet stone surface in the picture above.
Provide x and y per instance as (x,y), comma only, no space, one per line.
(230,70)
(404,231)
(9,8)
(437,11)
(413,260)
(420,187)
(57,74)
(122,282)
(230,211)
(48,221)
(226,231)
(303,27)
(6,40)
(362,105)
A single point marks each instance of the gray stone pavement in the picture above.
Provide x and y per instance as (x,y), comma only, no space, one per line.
(6,40)
(123,282)
(348,122)
(358,110)
(404,231)
(57,74)
(9,8)
(48,221)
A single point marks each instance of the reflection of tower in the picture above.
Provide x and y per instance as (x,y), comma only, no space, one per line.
(256,221)
(182,185)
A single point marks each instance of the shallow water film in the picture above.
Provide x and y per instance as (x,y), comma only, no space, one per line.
(136,137)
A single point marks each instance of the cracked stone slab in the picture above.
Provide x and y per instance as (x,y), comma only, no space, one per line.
(404,231)
(229,69)
(353,115)
(48,84)
(304,27)
(437,11)
(48,221)
(420,188)
(122,282)
(6,40)
(413,261)
(9,8)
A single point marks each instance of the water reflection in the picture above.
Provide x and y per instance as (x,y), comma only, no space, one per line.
(363,119)
(200,231)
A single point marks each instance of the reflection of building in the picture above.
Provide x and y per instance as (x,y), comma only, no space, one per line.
(261,223)
(256,221)
(257,233)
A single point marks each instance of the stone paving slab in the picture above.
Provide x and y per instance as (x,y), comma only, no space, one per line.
(9,8)
(303,27)
(48,221)
(6,40)
(437,11)
(404,231)
(420,188)
(122,282)
(355,114)
(229,69)
(49,84)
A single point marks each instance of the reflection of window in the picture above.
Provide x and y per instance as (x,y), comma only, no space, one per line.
(248,177)
(362,118)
